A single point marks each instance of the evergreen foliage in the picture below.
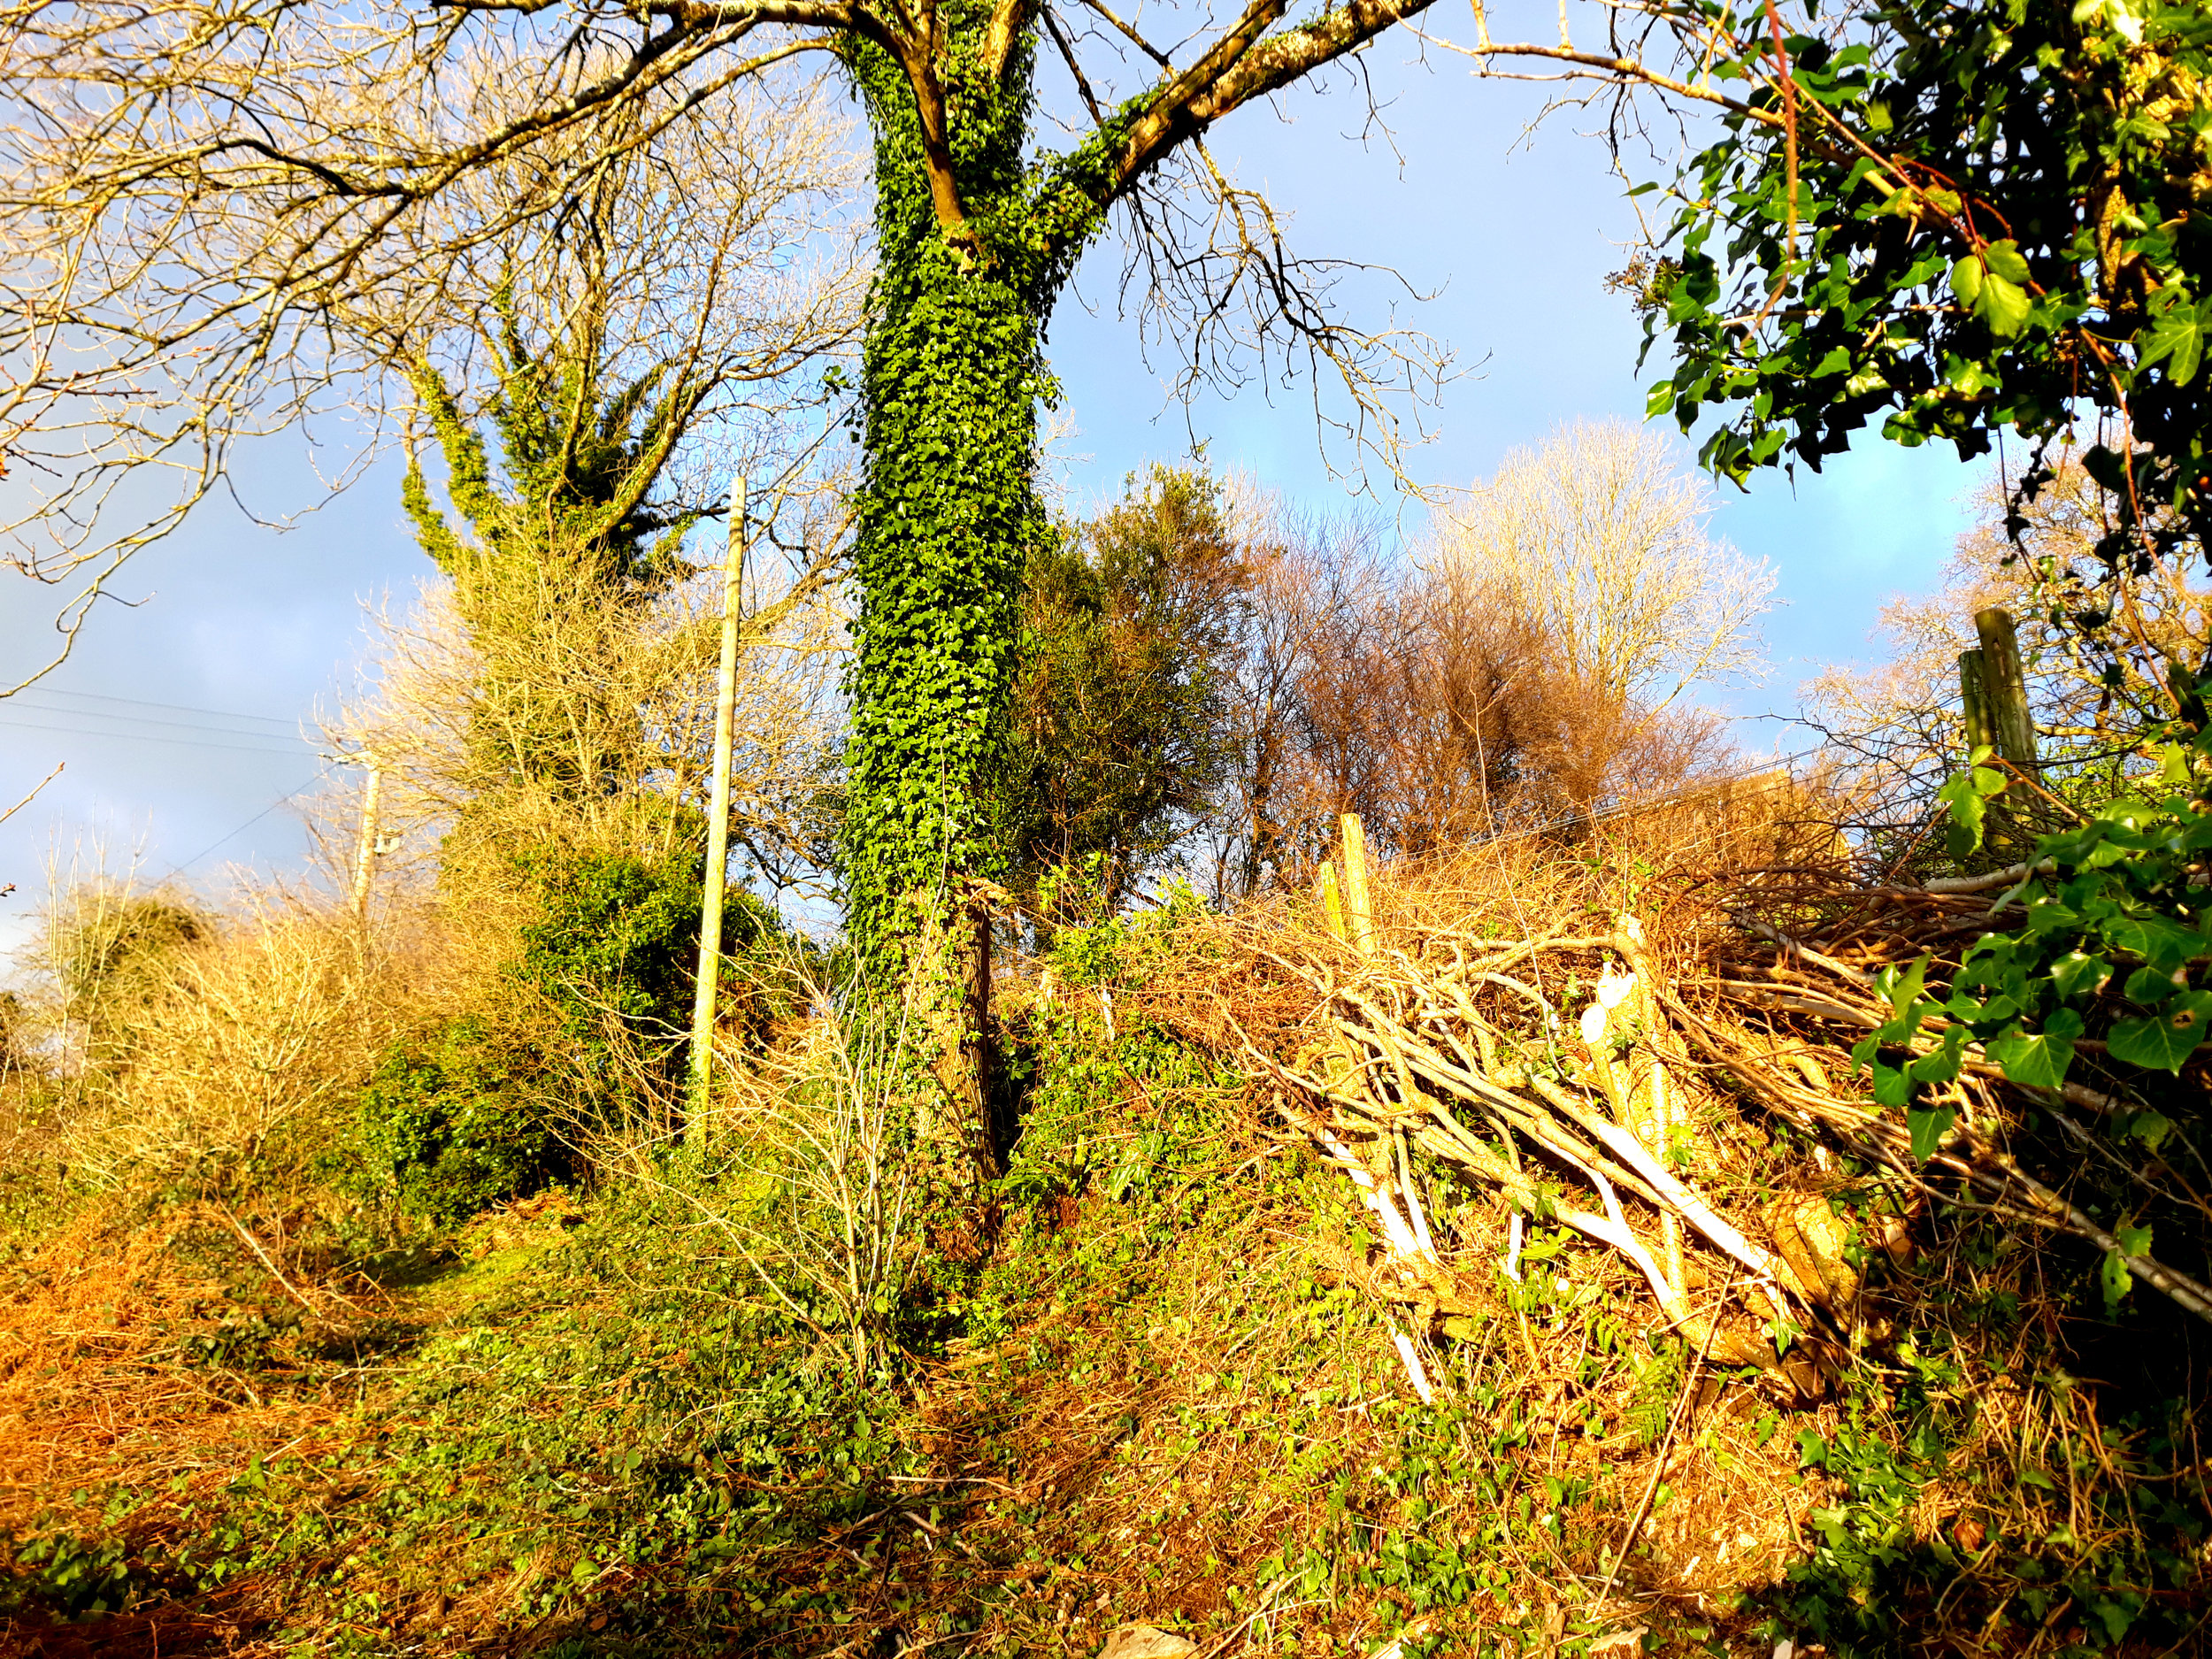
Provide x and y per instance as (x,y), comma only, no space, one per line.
(441,1125)
(580,460)
(948,515)
(490,1105)
(1120,729)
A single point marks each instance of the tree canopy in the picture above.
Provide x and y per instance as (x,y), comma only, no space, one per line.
(1120,725)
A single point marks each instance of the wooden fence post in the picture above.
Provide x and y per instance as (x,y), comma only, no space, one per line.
(1974,698)
(2005,688)
(1994,698)
(1324,896)
(1356,884)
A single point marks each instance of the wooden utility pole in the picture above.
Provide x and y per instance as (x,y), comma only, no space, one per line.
(717,825)
(364,855)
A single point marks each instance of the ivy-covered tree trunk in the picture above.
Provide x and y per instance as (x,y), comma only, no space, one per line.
(948,511)
(952,373)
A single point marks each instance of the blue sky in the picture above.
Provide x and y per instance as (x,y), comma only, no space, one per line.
(1513,238)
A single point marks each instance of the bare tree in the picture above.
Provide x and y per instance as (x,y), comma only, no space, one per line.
(1312,582)
(1533,662)
(627,692)
(1507,682)
(176,280)
(1599,537)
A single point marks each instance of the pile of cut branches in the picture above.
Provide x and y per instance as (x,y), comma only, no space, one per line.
(1624,1079)
(1864,978)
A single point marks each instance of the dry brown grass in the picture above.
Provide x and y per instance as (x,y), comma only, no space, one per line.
(132,1363)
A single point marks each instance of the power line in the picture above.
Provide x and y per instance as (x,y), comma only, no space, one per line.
(137,725)
(139,702)
(178,869)
(291,746)
(149,720)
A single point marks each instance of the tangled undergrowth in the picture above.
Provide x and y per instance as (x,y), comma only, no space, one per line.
(1804,1174)
(1178,1366)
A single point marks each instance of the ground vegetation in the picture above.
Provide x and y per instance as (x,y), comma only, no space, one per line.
(1195,1377)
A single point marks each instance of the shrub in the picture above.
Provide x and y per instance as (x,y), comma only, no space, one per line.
(113,953)
(579,1040)
(614,946)
(445,1124)
(230,1057)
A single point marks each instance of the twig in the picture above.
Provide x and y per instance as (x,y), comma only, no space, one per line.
(254,1245)
(1781,941)
(1995,878)
(34,793)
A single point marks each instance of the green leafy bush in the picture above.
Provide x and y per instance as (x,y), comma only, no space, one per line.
(444,1122)
(615,946)
(585,1028)
(2118,920)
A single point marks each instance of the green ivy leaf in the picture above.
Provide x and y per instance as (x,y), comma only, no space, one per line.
(2114,1281)
(2162,1042)
(2005,307)
(2003,260)
(1990,286)
(2162,944)
(1998,1009)
(2147,987)
(1940,1064)
(2048,915)
(1967,274)
(1967,794)
(2177,335)
(2112,1275)
(2078,974)
(1928,1129)
(1892,1087)
(1902,987)
(2038,1059)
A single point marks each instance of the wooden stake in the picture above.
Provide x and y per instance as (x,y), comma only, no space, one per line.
(1974,699)
(717,826)
(2005,688)
(1325,895)
(1356,884)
